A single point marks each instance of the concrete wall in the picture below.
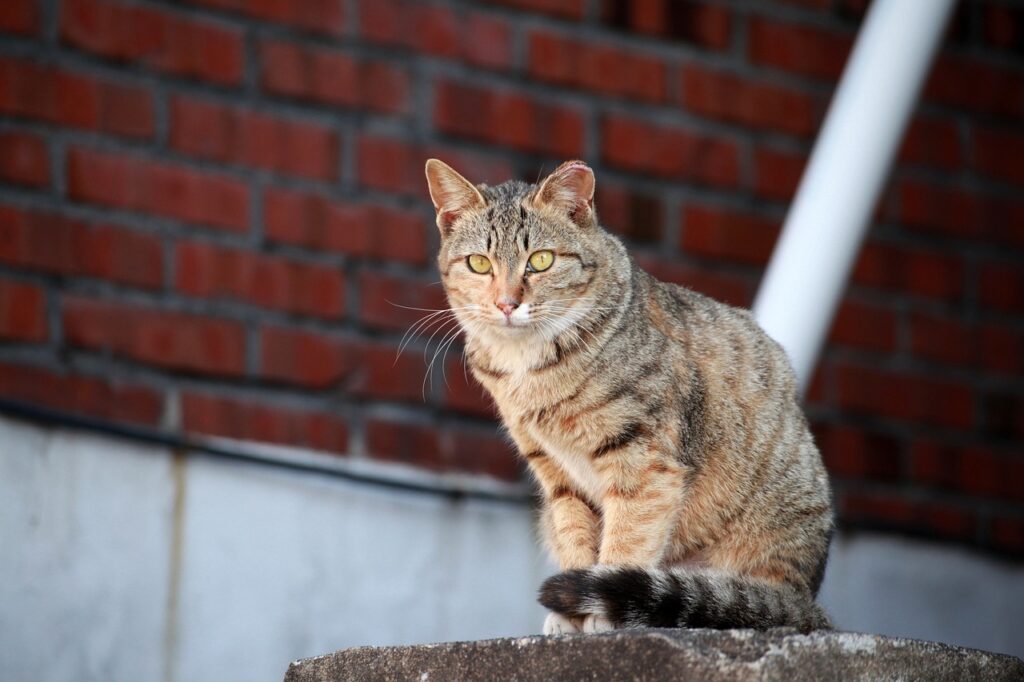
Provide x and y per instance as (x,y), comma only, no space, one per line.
(124,562)
(128,562)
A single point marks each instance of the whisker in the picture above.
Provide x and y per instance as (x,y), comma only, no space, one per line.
(444,357)
(442,326)
(420,327)
(431,310)
(453,333)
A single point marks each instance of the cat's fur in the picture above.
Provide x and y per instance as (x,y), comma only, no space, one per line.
(681,485)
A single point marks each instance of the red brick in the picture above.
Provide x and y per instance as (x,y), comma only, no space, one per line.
(957,212)
(1002,414)
(704,24)
(368,230)
(1007,534)
(383,374)
(904,396)
(154,38)
(948,521)
(633,214)
(393,302)
(816,4)
(804,50)
(974,470)
(723,234)
(862,325)
(932,142)
(675,153)
(1001,287)
(395,165)
(876,508)
(755,104)
(474,452)
(24,159)
(80,394)
(1004,26)
(946,210)
(246,420)
(856,453)
(464,394)
(404,443)
(251,138)
(319,361)
(331,77)
(976,86)
(943,339)
(894,512)
(597,67)
(471,37)
(175,340)
(48,242)
(479,452)
(54,95)
(731,289)
(269,281)
(316,16)
(306,358)
(998,154)
(171,190)
(485,41)
(508,118)
(1001,349)
(22,311)
(777,173)
(20,16)
(1001,217)
(921,273)
(567,9)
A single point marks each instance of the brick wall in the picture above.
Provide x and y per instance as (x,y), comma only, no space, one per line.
(208,207)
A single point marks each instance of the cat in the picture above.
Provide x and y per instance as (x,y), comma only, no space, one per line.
(681,486)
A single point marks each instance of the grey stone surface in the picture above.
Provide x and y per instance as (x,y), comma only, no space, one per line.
(666,654)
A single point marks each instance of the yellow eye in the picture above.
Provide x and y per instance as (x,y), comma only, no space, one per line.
(478,264)
(540,261)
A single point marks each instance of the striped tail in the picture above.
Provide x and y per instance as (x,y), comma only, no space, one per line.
(694,598)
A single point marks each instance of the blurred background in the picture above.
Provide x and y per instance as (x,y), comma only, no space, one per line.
(211,461)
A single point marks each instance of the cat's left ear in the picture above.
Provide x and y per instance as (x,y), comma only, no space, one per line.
(569,189)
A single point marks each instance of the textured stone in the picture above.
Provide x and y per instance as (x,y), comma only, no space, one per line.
(666,654)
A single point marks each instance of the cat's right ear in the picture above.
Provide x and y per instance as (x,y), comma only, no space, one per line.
(451,193)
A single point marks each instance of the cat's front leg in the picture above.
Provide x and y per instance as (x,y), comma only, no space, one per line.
(642,502)
(570,525)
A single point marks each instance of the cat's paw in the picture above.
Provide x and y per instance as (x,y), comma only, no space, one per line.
(595,622)
(557,624)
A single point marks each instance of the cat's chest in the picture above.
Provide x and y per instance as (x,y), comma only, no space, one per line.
(573,457)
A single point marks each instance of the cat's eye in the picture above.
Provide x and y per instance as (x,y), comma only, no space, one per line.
(478,264)
(540,261)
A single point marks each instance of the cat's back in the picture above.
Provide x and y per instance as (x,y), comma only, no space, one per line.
(731,350)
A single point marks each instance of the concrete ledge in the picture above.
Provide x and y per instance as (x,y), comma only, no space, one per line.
(666,654)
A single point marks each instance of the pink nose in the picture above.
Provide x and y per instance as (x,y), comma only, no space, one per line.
(507,307)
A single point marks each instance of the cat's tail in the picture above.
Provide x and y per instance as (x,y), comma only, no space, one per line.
(696,598)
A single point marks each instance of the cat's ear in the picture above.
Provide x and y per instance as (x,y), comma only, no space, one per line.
(569,189)
(451,193)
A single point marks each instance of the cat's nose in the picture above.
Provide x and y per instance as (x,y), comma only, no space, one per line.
(506,306)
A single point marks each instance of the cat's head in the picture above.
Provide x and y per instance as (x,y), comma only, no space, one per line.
(523,261)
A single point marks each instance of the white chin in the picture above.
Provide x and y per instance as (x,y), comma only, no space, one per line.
(514,327)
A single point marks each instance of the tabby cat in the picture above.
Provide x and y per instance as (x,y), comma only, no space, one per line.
(681,486)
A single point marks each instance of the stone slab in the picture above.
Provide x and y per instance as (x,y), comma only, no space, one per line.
(709,655)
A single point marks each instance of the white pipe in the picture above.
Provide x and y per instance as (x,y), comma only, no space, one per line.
(851,159)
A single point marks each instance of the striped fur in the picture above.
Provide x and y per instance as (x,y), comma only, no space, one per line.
(662,427)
